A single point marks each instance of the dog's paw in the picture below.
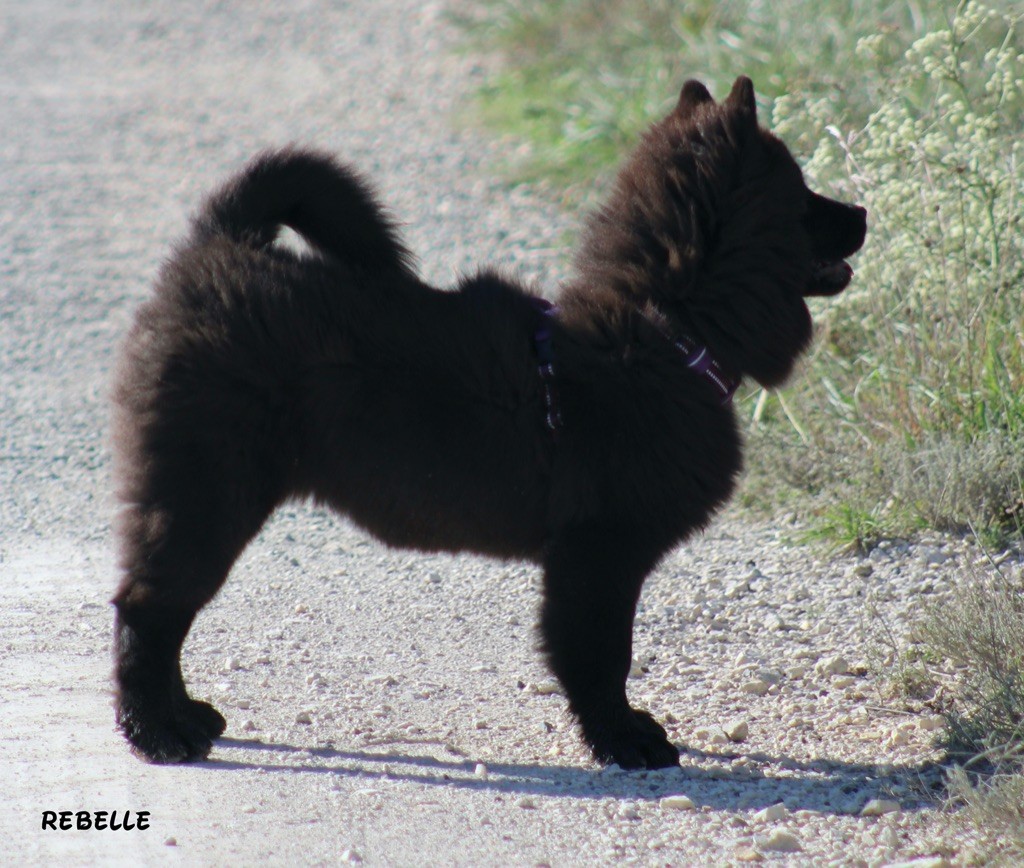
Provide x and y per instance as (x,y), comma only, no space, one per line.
(202,717)
(633,741)
(164,738)
(166,743)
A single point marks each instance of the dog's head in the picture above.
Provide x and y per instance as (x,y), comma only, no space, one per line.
(712,224)
(834,230)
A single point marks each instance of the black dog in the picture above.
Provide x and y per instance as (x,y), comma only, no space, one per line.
(591,437)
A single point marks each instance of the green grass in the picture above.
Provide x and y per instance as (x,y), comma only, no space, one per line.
(964,656)
(847,526)
(581,78)
(982,650)
(991,823)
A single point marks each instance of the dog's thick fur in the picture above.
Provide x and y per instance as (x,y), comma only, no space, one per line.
(256,374)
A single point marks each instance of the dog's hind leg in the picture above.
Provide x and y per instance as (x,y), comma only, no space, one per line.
(592,582)
(177,554)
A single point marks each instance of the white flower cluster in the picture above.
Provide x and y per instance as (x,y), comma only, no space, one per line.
(940,167)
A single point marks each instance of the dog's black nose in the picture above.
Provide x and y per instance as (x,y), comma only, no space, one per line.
(860,218)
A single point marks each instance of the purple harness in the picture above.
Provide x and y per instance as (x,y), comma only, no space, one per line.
(696,357)
(546,368)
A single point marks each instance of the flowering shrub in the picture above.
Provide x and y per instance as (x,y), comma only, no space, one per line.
(930,337)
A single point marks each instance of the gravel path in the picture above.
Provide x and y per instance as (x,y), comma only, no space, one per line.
(383,707)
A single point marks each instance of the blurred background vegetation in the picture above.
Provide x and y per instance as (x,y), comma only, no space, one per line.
(579,79)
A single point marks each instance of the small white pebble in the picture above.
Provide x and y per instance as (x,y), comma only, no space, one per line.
(547,687)
(836,665)
(878,807)
(932,722)
(772,814)
(738,590)
(301,609)
(351,855)
(898,737)
(480,771)
(737,731)
(231,664)
(527,802)
(678,803)
(303,717)
(629,812)
(779,841)
(841,682)
(757,687)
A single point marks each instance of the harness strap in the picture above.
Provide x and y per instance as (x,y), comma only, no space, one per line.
(546,356)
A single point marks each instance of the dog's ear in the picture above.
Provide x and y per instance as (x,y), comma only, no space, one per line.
(692,95)
(741,97)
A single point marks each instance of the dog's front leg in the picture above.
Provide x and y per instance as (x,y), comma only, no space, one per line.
(592,580)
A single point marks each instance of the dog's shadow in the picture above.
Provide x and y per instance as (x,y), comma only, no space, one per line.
(820,785)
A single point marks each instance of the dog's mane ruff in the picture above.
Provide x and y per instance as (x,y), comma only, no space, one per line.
(700,236)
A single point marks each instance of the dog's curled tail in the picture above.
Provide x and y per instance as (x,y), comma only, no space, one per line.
(326,203)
